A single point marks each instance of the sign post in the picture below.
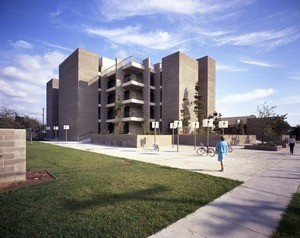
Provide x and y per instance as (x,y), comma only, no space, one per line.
(178,125)
(207,123)
(172,127)
(155,124)
(223,124)
(196,126)
(55,128)
(66,127)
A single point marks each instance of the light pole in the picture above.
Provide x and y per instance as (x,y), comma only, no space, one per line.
(172,127)
(66,127)
(196,126)
(223,124)
(155,124)
(207,123)
(55,128)
(178,125)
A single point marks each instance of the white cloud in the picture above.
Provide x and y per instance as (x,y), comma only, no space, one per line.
(23,82)
(293,99)
(116,9)
(228,68)
(268,39)
(295,76)
(33,69)
(254,95)
(21,44)
(258,63)
(132,35)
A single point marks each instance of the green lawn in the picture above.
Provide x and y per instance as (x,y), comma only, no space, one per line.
(289,225)
(102,196)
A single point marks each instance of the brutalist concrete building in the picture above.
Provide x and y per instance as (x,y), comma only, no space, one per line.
(88,88)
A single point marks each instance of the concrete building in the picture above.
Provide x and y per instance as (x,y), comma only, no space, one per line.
(90,87)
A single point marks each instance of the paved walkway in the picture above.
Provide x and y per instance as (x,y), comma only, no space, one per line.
(253,209)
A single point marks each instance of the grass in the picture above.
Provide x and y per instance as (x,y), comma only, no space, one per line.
(102,196)
(289,224)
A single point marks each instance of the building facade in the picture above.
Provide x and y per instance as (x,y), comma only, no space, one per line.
(90,87)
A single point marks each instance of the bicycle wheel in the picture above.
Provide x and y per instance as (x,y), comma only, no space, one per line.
(230,148)
(200,151)
(211,152)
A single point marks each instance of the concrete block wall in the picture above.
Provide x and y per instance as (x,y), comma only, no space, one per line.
(135,141)
(12,155)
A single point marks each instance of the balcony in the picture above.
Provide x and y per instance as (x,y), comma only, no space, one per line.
(133,63)
(133,81)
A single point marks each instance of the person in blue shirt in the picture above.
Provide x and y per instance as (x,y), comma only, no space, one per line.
(222,148)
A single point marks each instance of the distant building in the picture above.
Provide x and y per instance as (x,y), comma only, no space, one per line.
(84,96)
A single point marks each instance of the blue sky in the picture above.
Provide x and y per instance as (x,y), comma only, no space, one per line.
(256,45)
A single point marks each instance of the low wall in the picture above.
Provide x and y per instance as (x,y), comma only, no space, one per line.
(135,141)
(12,155)
(263,147)
(213,139)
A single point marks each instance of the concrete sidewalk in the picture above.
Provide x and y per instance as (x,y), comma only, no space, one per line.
(253,209)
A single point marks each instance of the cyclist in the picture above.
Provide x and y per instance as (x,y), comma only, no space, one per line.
(222,149)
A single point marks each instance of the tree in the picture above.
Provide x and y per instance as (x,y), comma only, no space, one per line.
(198,106)
(119,111)
(265,114)
(296,132)
(8,118)
(278,126)
(240,130)
(185,112)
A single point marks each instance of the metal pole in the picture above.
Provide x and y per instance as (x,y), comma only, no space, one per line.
(177,138)
(66,134)
(195,137)
(207,136)
(155,134)
(173,137)
(55,134)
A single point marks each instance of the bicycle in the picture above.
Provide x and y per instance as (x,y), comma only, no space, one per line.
(155,147)
(209,151)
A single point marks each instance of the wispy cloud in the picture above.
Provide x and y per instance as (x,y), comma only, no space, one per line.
(22,83)
(21,44)
(256,94)
(268,39)
(295,76)
(258,63)
(133,35)
(57,46)
(116,9)
(228,68)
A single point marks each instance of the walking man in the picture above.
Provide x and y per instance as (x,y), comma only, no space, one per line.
(291,142)
(222,148)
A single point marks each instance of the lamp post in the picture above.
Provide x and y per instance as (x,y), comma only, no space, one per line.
(223,124)
(196,126)
(155,124)
(66,127)
(48,128)
(55,128)
(207,123)
(172,127)
(178,125)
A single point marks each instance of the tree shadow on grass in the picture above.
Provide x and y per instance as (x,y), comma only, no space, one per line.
(155,194)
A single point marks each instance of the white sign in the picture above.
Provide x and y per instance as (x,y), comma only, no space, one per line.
(155,124)
(66,127)
(196,125)
(208,122)
(223,124)
(48,128)
(177,124)
(172,126)
(55,128)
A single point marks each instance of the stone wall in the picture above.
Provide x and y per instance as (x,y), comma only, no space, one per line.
(12,155)
(213,139)
(135,141)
